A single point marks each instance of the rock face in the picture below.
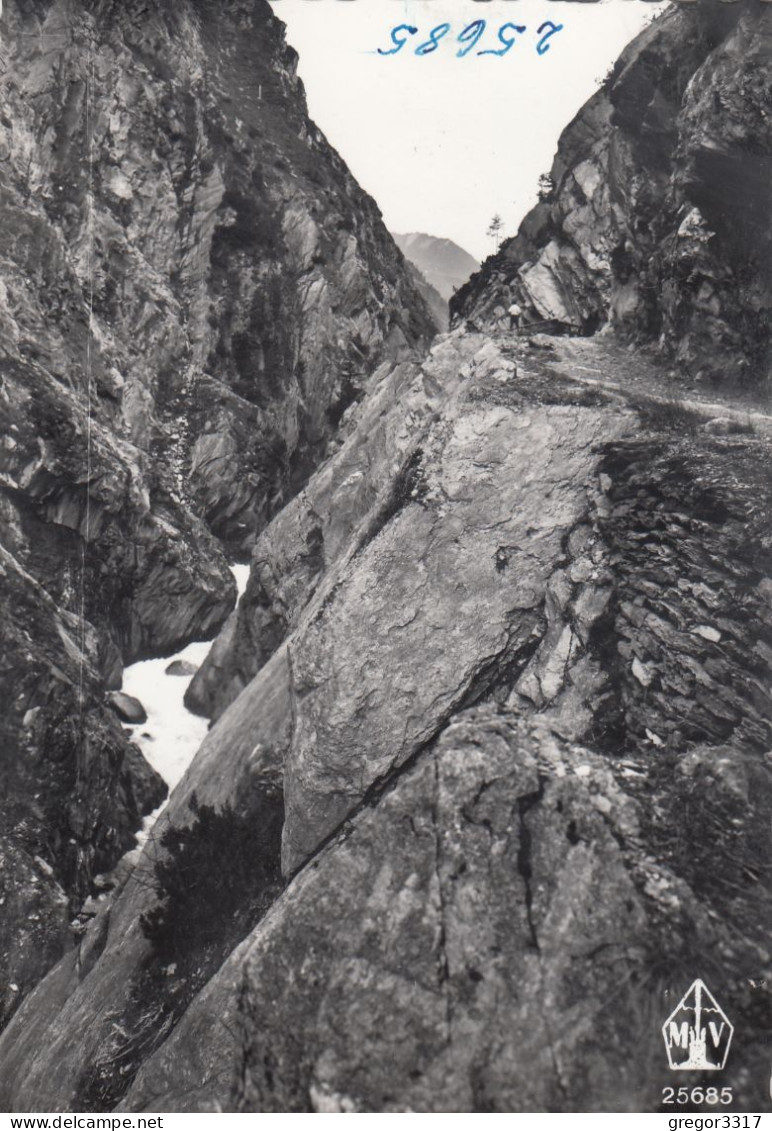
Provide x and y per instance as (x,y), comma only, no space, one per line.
(511,935)
(343,505)
(73,790)
(488,785)
(193,289)
(242,284)
(658,215)
(515,710)
(438,306)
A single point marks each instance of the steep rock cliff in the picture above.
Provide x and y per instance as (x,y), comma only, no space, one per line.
(496,932)
(657,217)
(242,284)
(594,577)
(73,790)
(192,291)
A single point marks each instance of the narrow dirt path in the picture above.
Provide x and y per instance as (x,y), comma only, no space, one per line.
(605,363)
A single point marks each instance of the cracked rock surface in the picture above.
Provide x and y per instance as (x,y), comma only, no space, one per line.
(489,936)
(193,290)
(550,865)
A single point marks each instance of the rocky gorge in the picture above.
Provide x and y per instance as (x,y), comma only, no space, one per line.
(192,291)
(487,785)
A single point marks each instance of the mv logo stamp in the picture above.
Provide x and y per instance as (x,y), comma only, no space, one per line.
(698,1033)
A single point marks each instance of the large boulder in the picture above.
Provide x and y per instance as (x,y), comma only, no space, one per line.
(127,708)
(181,668)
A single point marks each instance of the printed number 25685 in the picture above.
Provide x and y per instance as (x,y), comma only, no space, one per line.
(696,1096)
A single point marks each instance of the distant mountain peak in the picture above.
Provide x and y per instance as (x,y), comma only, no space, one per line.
(441,261)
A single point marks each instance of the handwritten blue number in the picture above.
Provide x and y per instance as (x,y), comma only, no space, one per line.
(471,35)
(508,43)
(398,43)
(435,35)
(543,44)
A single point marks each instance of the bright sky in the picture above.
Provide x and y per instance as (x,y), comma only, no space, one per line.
(442,142)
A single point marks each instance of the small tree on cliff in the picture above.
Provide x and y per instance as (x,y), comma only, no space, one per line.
(494,229)
(546,188)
